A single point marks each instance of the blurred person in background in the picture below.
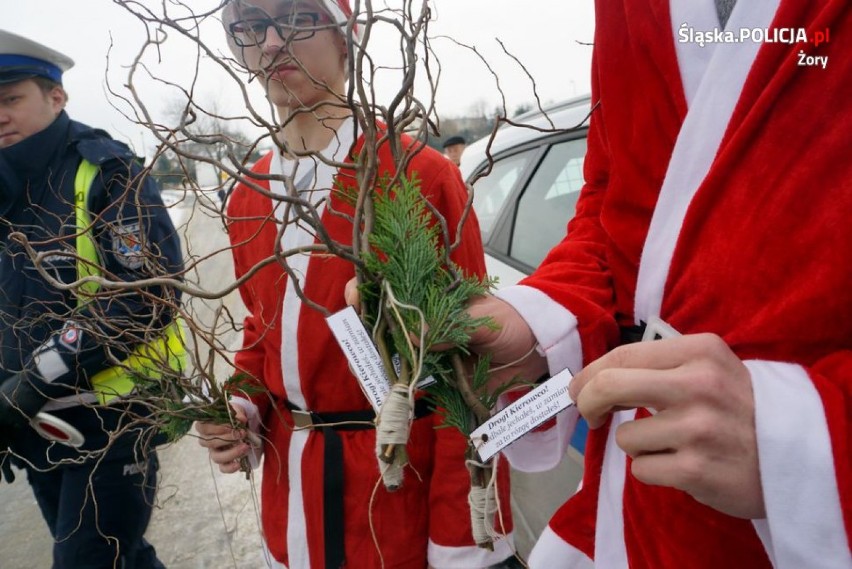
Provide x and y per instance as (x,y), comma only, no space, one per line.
(454,148)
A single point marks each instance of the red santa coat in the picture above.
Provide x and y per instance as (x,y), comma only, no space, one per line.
(718,197)
(290,347)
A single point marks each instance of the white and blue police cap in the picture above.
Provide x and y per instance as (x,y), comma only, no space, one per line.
(22,58)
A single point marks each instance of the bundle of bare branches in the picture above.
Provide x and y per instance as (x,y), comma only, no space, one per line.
(413,296)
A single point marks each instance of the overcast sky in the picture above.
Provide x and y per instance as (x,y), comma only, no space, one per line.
(547,36)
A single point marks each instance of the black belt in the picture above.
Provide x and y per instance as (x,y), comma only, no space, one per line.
(328,424)
(632,334)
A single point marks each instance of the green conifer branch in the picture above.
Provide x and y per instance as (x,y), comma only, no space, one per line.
(407,258)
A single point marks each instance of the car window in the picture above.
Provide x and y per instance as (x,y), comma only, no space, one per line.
(491,191)
(548,202)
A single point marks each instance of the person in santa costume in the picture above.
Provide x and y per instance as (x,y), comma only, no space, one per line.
(716,212)
(321,501)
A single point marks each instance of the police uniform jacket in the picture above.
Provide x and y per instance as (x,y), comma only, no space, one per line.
(45,329)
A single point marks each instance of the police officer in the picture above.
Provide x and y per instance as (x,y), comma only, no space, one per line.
(74,203)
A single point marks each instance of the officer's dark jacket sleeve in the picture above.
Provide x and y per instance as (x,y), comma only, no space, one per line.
(136,240)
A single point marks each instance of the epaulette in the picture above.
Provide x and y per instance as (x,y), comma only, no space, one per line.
(101,150)
(98,147)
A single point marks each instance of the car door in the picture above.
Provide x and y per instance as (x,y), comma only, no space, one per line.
(535,214)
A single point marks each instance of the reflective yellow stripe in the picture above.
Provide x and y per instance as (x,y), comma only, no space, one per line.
(87,254)
(146,360)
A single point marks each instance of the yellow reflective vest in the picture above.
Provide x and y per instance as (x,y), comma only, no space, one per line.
(146,360)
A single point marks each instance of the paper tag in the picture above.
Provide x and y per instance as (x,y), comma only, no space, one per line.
(523,416)
(362,354)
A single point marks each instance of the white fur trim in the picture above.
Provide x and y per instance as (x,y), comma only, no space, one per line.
(761,526)
(333,8)
(297,235)
(253,416)
(553,325)
(468,557)
(804,525)
(692,58)
(340,17)
(251,411)
(610,551)
(552,552)
(698,142)
(555,329)
(297,530)
(540,451)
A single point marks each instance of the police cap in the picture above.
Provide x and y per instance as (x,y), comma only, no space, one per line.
(21,58)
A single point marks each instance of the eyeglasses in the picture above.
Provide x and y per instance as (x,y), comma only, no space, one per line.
(295,26)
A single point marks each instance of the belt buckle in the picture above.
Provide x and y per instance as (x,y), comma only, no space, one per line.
(302,419)
(658,329)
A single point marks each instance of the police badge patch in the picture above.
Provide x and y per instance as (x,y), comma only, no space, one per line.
(70,336)
(127,245)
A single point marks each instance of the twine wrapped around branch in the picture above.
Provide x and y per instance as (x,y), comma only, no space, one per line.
(392,430)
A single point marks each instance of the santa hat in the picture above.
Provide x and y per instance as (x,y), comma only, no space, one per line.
(340,11)
(21,58)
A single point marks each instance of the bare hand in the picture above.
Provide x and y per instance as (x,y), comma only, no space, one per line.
(512,344)
(702,439)
(351,295)
(226,445)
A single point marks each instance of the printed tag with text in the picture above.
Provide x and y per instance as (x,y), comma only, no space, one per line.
(364,359)
(522,416)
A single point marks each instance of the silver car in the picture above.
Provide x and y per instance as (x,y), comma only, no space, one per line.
(529,195)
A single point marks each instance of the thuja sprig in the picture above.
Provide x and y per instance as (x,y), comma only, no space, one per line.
(407,253)
(414,298)
(178,401)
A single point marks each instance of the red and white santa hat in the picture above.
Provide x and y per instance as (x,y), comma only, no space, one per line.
(340,11)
